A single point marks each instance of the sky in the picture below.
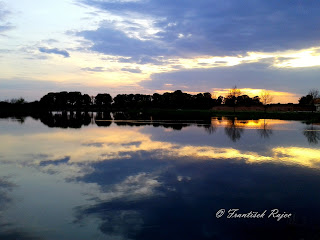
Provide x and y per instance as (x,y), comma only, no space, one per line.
(147,46)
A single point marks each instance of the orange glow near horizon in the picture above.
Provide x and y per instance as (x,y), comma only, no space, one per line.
(278,97)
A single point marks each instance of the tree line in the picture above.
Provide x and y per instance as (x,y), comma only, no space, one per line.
(173,100)
(168,100)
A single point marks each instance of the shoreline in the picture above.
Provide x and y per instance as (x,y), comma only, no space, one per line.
(172,114)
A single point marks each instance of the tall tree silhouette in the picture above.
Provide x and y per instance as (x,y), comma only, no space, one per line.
(266,98)
(231,98)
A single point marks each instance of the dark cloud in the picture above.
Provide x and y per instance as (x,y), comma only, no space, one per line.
(55,162)
(54,51)
(132,70)
(17,234)
(250,75)
(210,27)
(114,42)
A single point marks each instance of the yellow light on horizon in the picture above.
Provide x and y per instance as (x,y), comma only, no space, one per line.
(278,96)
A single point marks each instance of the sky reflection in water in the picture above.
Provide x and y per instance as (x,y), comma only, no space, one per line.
(148,180)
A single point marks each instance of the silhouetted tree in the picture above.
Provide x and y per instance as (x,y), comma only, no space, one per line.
(265,98)
(314,93)
(306,100)
(74,99)
(244,100)
(103,100)
(86,100)
(309,98)
(256,100)
(156,100)
(48,100)
(17,101)
(231,98)
(219,100)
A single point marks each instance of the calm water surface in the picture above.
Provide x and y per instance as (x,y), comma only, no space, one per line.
(158,180)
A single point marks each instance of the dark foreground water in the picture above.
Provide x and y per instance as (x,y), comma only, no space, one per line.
(159,180)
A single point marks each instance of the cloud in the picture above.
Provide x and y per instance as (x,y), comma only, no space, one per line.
(54,51)
(5,187)
(143,60)
(4,13)
(132,70)
(206,28)
(4,28)
(55,162)
(50,41)
(93,144)
(115,42)
(94,69)
(142,185)
(249,75)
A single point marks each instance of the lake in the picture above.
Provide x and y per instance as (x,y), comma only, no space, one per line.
(91,177)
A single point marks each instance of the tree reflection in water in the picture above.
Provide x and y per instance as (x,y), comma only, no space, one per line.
(312,133)
(232,130)
(266,131)
(103,119)
(66,119)
(212,128)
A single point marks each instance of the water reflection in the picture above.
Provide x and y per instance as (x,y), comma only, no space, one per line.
(6,187)
(185,205)
(232,130)
(266,130)
(103,119)
(312,133)
(7,228)
(233,127)
(132,180)
(66,119)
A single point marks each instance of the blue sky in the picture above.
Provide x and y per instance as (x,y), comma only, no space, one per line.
(146,46)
